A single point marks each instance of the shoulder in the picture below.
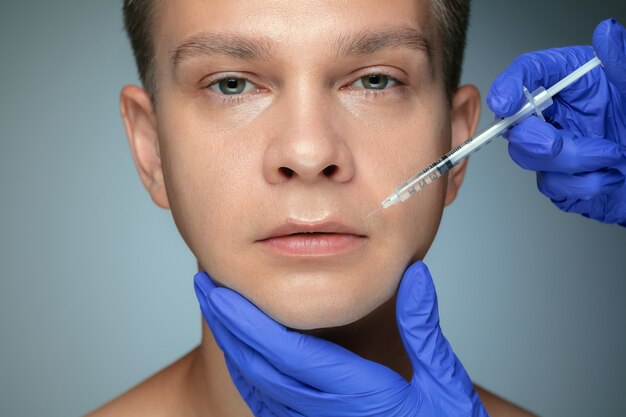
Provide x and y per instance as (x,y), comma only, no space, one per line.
(499,407)
(158,396)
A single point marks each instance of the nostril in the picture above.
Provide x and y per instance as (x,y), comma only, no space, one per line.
(287,172)
(330,170)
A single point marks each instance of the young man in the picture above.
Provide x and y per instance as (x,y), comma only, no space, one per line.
(272,129)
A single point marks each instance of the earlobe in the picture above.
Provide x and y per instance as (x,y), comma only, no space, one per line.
(141,130)
(465,112)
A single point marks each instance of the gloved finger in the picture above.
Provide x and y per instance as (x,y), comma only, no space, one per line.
(257,372)
(336,370)
(203,284)
(533,70)
(609,42)
(418,321)
(558,186)
(539,146)
(275,408)
(248,392)
(535,138)
(258,402)
(606,208)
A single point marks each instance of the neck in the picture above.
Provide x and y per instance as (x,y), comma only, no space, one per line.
(374,337)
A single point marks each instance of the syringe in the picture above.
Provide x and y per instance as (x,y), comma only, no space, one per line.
(538,101)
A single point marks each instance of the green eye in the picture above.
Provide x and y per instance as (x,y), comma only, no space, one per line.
(375,81)
(232,86)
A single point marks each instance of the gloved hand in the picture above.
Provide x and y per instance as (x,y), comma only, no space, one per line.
(580,152)
(280,372)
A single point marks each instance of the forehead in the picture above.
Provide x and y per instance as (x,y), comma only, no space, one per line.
(291,26)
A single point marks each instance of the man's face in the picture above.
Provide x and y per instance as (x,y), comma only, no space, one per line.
(281,125)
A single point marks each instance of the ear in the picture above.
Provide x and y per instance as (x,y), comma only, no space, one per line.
(464,118)
(141,130)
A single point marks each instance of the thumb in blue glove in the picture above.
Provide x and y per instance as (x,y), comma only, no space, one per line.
(284,373)
(579,153)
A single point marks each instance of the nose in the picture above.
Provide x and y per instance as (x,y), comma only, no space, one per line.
(306,145)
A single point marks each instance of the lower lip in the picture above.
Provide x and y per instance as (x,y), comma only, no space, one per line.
(314,244)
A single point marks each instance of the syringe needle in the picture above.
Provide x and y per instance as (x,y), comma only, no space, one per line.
(374,212)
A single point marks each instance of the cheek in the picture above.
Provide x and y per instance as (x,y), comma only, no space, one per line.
(421,217)
(204,175)
(401,138)
(417,136)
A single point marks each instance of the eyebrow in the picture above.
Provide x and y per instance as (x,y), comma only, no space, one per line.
(259,47)
(236,46)
(368,42)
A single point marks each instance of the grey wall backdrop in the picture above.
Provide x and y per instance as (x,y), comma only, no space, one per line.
(96,285)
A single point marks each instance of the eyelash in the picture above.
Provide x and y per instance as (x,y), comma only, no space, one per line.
(239,98)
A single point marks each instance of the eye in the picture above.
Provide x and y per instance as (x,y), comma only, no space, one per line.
(375,82)
(232,86)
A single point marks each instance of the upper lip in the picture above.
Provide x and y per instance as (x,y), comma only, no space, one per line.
(293,227)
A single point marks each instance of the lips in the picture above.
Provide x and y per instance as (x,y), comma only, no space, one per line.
(313,239)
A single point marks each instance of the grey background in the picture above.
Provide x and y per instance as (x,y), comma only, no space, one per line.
(96,284)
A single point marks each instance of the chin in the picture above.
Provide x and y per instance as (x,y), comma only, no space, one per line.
(319,312)
(314,295)
(301,320)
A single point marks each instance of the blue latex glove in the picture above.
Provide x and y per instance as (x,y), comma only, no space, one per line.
(580,153)
(280,372)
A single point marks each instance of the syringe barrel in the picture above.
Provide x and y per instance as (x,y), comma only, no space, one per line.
(540,101)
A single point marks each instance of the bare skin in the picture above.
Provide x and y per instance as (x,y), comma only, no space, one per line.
(306,140)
